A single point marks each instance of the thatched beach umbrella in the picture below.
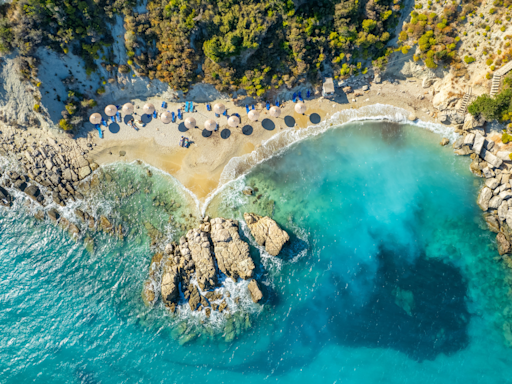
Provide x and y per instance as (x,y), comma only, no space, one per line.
(190,122)
(166,117)
(233,121)
(110,110)
(300,108)
(95,118)
(275,111)
(210,125)
(128,109)
(253,115)
(148,108)
(219,108)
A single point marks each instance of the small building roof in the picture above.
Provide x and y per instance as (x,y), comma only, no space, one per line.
(328,85)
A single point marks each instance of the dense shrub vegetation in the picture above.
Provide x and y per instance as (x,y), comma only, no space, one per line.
(251,44)
(494,108)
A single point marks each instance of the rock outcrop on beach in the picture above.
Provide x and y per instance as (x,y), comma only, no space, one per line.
(231,252)
(197,247)
(150,288)
(266,233)
(255,291)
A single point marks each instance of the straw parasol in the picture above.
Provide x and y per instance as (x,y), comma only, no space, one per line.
(210,125)
(300,108)
(190,122)
(110,110)
(148,108)
(166,117)
(219,108)
(128,109)
(253,115)
(233,121)
(275,112)
(95,118)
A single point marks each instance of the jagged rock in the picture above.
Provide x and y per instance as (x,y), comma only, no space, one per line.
(492,183)
(255,291)
(248,191)
(478,143)
(484,197)
(495,202)
(5,198)
(195,298)
(34,193)
(464,151)
(377,79)
(488,173)
(266,233)
(457,144)
(505,195)
(231,252)
(474,167)
(492,223)
(427,82)
(106,225)
(469,139)
(150,287)
(80,214)
(54,215)
(170,281)
(84,172)
(197,244)
(491,158)
(503,244)
(504,155)
(444,142)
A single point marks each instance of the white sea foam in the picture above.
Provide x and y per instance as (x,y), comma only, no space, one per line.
(279,143)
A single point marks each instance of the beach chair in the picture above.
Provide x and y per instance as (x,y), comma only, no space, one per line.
(173,117)
(97,126)
(191,107)
(294,97)
(104,123)
(180,116)
(112,119)
(300,97)
(186,106)
(208,107)
(247,108)
(118,117)
(225,113)
(154,115)
(253,107)
(268,106)
(164,104)
(277,103)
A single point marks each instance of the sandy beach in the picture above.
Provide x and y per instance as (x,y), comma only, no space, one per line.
(200,166)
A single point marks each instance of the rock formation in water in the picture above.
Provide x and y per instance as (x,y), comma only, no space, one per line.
(266,233)
(194,259)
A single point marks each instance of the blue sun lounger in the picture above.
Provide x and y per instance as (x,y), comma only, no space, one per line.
(112,119)
(180,115)
(268,105)
(103,122)
(225,113)
(277,103)
(97,126)
(300,97)
(208,107)
(164,104)
(118,117)
(191,106)
(253,107)
(294,97)
(308,94)
(173,117)
(186,106)
(154,115)
(247,108)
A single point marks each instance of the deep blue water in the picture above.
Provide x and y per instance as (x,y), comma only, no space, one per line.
(390,276)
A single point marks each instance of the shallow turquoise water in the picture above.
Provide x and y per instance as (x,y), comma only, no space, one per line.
(390,276)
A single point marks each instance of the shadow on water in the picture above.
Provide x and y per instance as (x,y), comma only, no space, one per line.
(415,306)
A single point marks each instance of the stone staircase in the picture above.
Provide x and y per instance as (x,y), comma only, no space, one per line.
(496,79)
(465,101)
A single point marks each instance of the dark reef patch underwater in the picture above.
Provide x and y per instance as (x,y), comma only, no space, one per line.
(390,276)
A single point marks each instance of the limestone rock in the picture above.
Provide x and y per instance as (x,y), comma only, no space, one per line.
(248,191)
(54,215)
(492,223)
(106,225)
(231,252)
(503,244)
(266,233)
(504,155)
(84,172)
(463,151)
(505,195)
(150,290)
(5,198)
(255,291)
(492,183)
(469,139)
(171,274)
(502,210)
(457,144)
(495,202)
(444,142)
(484,197)
(197,245)
(478,143)
(491,158)
(427,82)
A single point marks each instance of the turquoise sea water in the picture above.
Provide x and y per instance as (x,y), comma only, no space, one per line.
(390,276)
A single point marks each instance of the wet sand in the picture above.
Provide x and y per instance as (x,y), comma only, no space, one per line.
(199,168)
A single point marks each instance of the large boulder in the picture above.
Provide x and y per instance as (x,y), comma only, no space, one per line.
(503,244)
(231,252)
(255,291)
(198,246)
(484,197)
(478,143)
(491,158)
(5,198)
(171,273)
(84,172)
(267,233)
(150,287)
